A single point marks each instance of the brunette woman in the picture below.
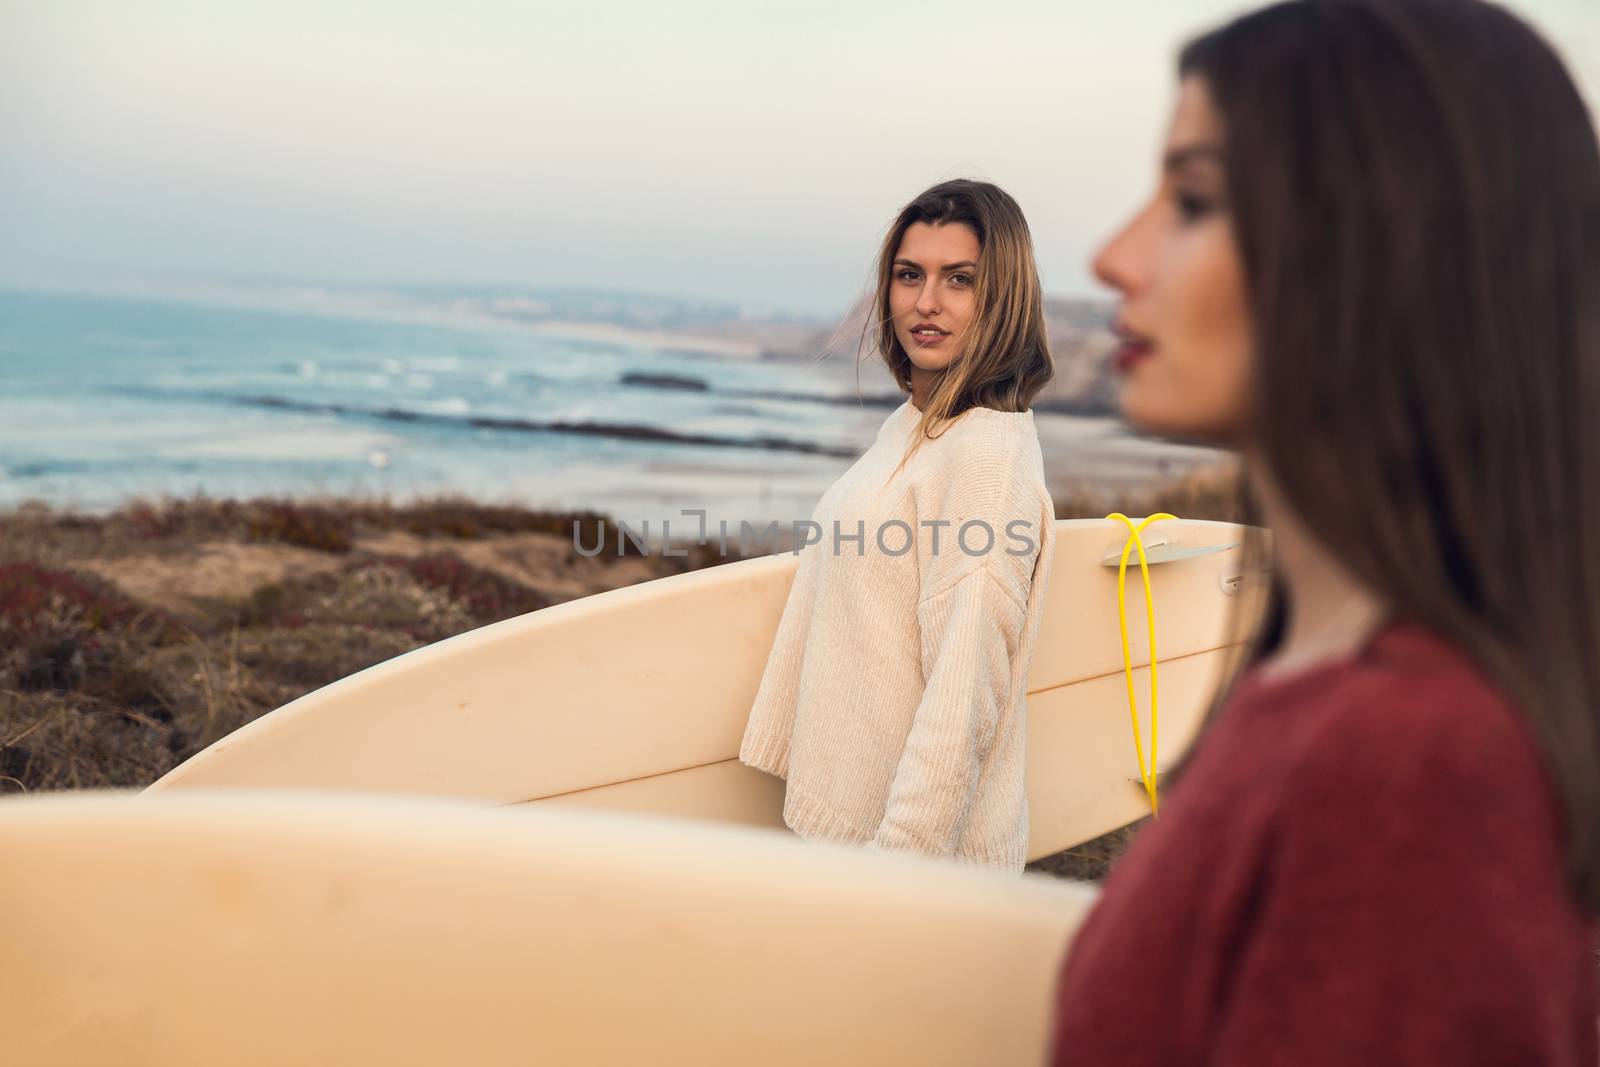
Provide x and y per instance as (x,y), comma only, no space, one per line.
(1373,267)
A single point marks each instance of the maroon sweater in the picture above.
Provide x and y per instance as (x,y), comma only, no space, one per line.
(1362,866)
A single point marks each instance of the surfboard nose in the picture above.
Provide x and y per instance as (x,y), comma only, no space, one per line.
(272,927)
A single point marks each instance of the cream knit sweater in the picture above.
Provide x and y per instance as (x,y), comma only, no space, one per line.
(893,701)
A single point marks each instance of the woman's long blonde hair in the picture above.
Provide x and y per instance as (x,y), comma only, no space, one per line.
(1005,357)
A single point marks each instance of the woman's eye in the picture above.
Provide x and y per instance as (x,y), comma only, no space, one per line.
(908,275)
(1193,207)
(961,279)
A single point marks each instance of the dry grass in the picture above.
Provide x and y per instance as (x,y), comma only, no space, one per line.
(99,688)
(1092,860)
(35,531)
(1208,493)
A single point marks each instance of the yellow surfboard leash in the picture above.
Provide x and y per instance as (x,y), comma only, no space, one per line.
(1147,773)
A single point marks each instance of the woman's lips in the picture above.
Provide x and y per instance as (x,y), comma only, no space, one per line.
(927,338)
(1130,354)
(1134,347)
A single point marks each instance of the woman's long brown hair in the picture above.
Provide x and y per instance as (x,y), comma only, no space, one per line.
(1005,357)
(1415,191)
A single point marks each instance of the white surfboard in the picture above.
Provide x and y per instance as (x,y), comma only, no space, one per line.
(189,929)
(636,699)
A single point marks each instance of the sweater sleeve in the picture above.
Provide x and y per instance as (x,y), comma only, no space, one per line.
(1411,910)
(970,637)
(971,615)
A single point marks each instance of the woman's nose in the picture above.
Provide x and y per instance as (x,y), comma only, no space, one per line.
(928,300)
(1116,264)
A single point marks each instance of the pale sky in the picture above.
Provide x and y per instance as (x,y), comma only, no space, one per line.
(739,151)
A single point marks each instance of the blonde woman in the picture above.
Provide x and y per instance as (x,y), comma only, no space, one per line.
(893,699)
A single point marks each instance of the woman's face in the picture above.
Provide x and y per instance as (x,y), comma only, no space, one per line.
(931,291)
(1187,348)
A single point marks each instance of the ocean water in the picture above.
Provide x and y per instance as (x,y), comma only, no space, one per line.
(106,399)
